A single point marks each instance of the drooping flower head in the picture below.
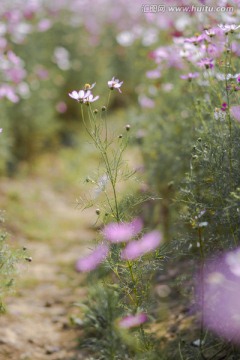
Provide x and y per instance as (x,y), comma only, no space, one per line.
(115,84)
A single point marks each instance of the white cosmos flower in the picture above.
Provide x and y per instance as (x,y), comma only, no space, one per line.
(229,28)
(115,84)
(89,98)
(79,95)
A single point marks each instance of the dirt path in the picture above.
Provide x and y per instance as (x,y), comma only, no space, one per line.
(41,216)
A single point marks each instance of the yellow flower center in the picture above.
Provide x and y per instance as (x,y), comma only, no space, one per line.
(87,86)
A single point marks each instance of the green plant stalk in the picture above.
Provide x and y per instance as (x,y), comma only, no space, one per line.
(112,174)
(201,247)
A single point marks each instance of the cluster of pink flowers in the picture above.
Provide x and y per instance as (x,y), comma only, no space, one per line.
(192,53)
(121,233)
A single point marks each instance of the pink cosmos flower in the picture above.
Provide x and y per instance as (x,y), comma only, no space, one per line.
(190,76)
(235,111)
(90,262)
(196,39)
(79,95)
(219,293)
(148,243)
(123,232)
(115,84)
(88,98)
(133,320)
(207,63)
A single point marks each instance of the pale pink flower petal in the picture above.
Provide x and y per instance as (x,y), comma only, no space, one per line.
(122,232)
(218,294)
(235,111)
(115,84)
(90,262)
(74,95)
(133,320)
(148,243)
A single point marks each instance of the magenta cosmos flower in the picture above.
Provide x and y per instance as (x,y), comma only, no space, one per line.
(146,244)
(91,261)
(122,232)
(115,84)
(133,320)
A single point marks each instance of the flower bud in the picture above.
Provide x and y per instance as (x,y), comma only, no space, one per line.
(104,108)
(120,136)
(97,211)
(95,111)
(128,127)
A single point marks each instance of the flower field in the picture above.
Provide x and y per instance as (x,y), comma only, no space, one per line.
(120,183)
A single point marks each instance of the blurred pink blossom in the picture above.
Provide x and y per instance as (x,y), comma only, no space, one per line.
(146,102)
(207,63)
(122,232)
(44,25)
(61,107)
(133,320)
(153,74)
(90,262)
(189,76)
(8,92)
(146,244)
(218,292)
(235,111)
